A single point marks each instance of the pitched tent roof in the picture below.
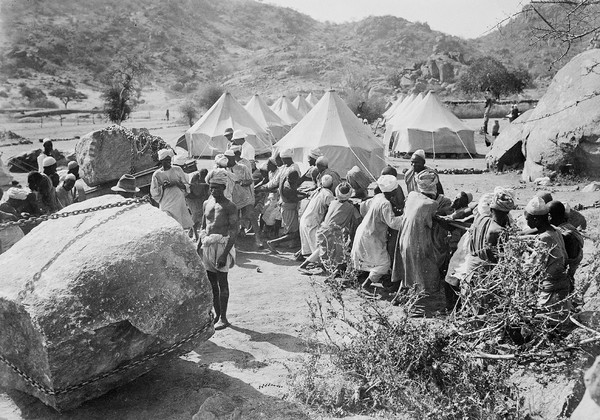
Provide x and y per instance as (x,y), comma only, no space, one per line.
(205,138)
(5,177)
(333,128)
(266,118)
(396,118)
(286,111)
(311,99)
(301,105)
(431,126)
(390,111)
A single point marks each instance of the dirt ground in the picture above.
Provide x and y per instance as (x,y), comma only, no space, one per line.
(250,361)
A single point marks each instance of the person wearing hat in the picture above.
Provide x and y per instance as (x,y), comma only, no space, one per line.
(228,134)
(552,257)
(369,249)
(237,151)
(289,199)
(313,216)
(168,187)
(573,239)
(359,182)
(288,164)
(323,169)
(47,152)
(336,230)
(216,247)
(422,247)
(239,139)
(126,186)
(417,162)
(221,166)
(65,192)
(45,193)
(243,195)
(311,173)
(50,170)
(73,168)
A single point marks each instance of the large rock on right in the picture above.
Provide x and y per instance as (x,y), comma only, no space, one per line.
(105,155)
(92,301)
(563,130)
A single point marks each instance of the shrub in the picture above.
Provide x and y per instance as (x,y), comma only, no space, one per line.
(43,103)
(210,95)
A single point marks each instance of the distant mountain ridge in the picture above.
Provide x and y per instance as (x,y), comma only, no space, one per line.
(245,45)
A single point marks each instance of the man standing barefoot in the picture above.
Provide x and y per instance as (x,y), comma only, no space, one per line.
(216,247)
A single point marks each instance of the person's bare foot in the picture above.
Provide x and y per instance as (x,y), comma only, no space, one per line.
(272,248)
(222,324)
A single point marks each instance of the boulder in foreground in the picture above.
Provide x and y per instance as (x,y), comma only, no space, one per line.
(84,295)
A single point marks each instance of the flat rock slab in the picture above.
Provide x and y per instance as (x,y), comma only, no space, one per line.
(84,295)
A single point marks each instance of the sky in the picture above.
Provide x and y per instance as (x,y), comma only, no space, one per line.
(464,18)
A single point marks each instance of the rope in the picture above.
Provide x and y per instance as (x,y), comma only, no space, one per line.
(464,145)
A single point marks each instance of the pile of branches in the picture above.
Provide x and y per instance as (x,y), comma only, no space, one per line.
(498,315)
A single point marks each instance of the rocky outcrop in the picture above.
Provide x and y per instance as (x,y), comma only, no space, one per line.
(507,150)
(83,296)
(589,407)
(105,155)
(27,161)
(563,131)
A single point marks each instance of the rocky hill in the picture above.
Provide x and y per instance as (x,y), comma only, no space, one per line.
(243,45)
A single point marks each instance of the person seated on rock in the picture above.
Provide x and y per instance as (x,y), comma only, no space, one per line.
(220,226)
(126,186)
(50,170)
(65,192)
(45,193)
(47,152)
(573,239)
(554,289)
(417,161)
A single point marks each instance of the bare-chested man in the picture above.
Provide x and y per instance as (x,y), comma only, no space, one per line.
(220,226)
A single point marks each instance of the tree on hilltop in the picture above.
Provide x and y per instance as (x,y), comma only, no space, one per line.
(490,76)
(68,94)
(123,89)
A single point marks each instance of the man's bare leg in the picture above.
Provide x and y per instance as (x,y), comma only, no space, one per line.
(223,300)
(214,283)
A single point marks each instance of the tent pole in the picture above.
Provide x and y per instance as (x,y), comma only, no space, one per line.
(433,144)
(464,145)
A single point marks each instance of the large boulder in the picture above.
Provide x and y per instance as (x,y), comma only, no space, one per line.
(507,150)
(105,155)
(85,296)
(563,130)
(27,161)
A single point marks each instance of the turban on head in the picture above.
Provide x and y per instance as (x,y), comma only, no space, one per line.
(387,183)
(536,207)
(315,153)
(229,152)
(327,181)
(71,177)
(228,131)
(165,153)
(418,156)
(343,191)
(239,134)
(49,161)
(287,153)
(322,160)
(236,148)
(72,165)
(221,160)
(218,178)
(502,201)
(545,195)
(427,182)
(17,193)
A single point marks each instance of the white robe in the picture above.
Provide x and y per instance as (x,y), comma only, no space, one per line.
(311,219)
(171,200)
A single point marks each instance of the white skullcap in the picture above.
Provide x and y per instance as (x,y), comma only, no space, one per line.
(71,177)
(72,165)
(239,134)
(287,153)
(427,182)
(229,152)
(221,160)
(327,181)
(49,161)
(165,153)
(322,160)
(536,207)
(387,183)
(418,154)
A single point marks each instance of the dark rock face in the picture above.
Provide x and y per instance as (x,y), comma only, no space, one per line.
(83,295)
(27,161)
(106,154)
(563,131)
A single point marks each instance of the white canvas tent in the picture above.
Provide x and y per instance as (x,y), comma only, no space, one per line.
(431,126)
(333,128)
(286,111)
(301,105)
(5,177)
(205,138)
(311,99)
(396,118)
(266,118)
(390,111)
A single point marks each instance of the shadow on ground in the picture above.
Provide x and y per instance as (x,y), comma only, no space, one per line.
(175,390)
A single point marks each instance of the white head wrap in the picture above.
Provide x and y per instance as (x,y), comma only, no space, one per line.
(536,207)
(315,153)
(327,181)
(418,154)
(322,160)
(221,160)
(239,134)
(387,183)
(287,153)
(427,182)
(17,193)
(229,152)
(164,153)
(49,161)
